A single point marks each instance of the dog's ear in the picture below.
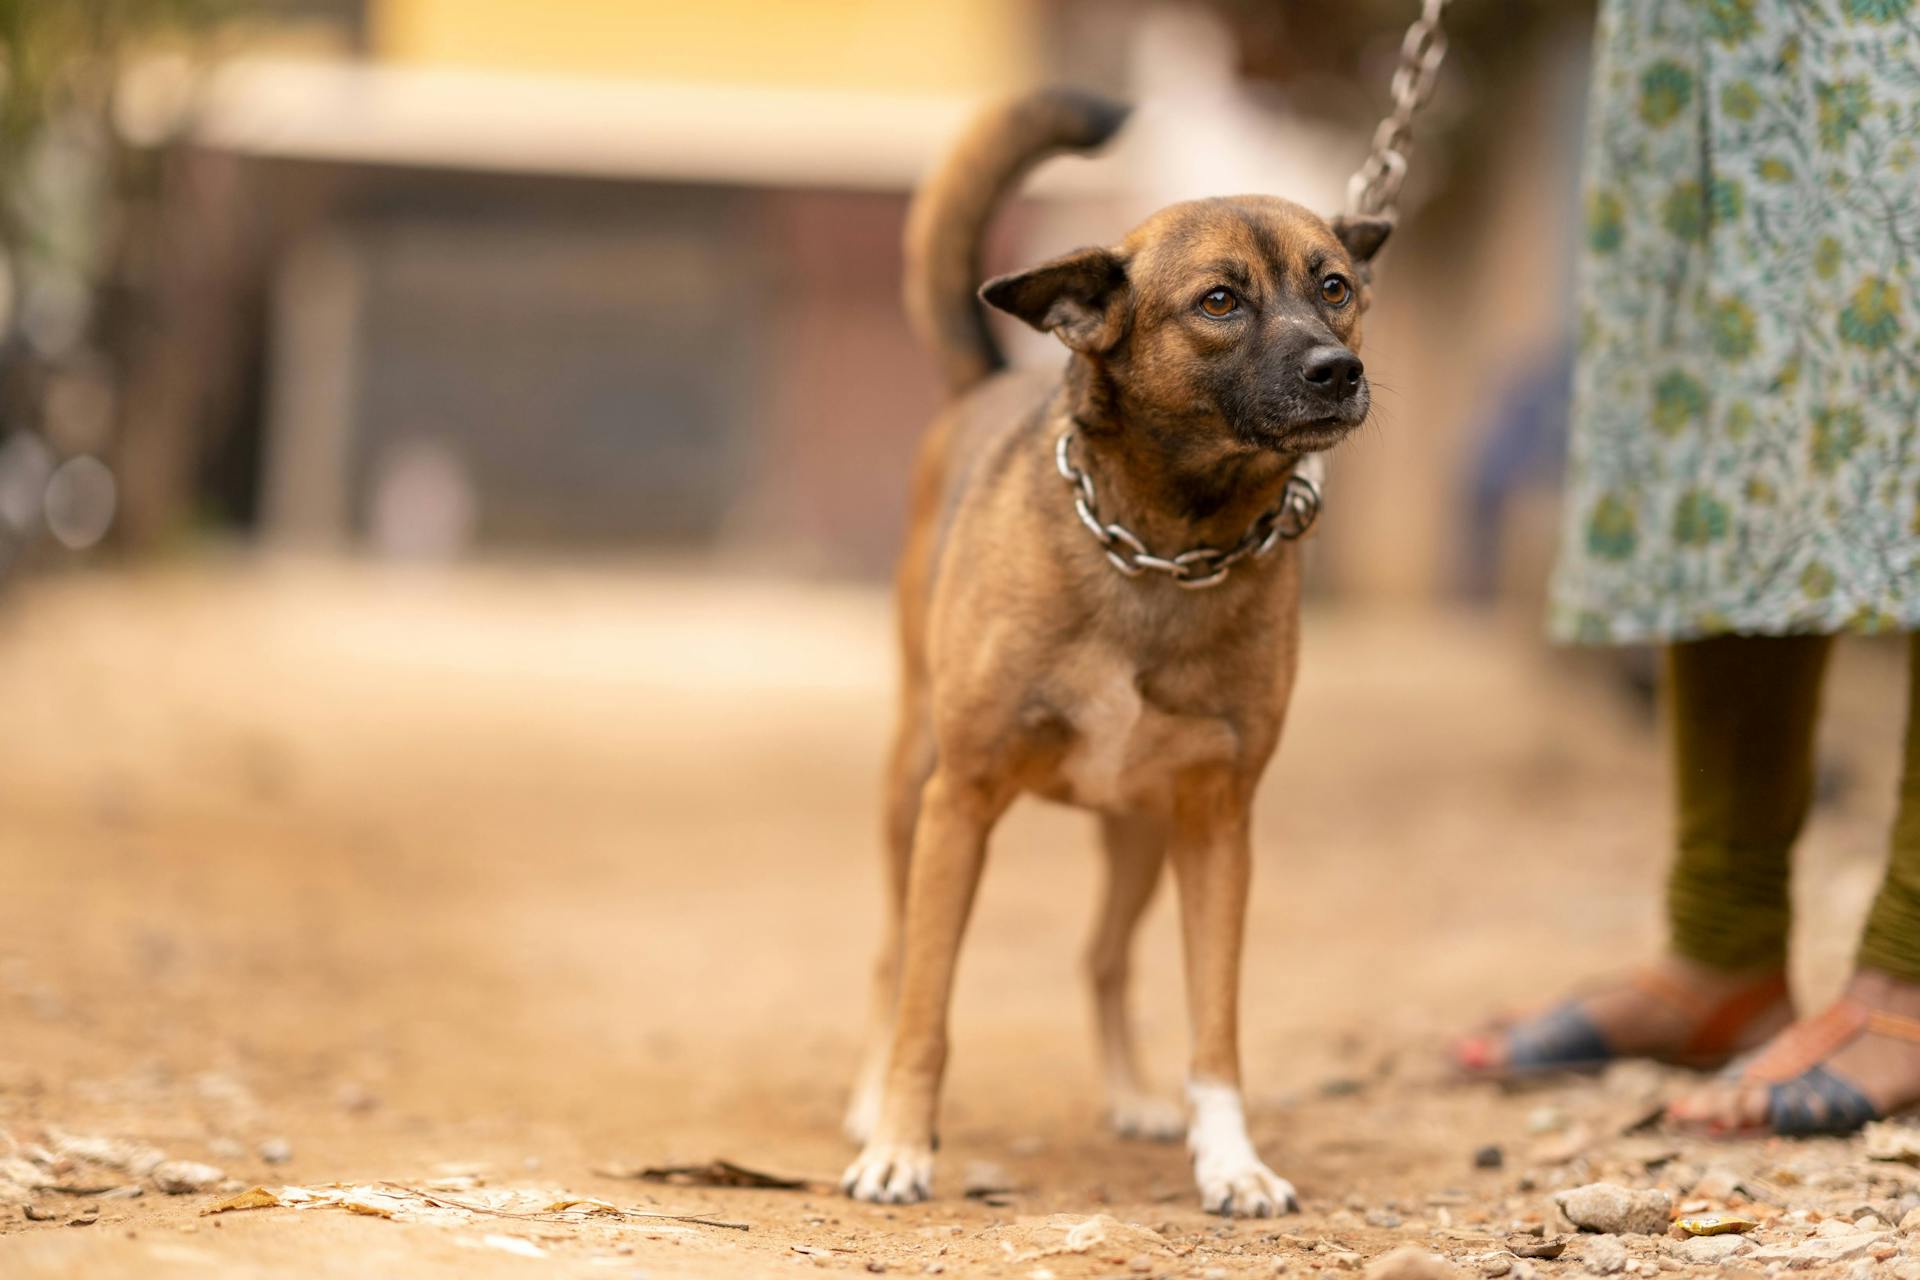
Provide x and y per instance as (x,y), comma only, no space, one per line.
(1079,298)
(1362,236)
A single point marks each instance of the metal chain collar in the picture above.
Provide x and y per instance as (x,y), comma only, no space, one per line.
(1202,567)
(1374,190)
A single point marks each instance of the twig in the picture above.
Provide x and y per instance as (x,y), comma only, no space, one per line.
(447,1202)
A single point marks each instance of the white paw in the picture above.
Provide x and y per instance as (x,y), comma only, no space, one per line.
(890,1173)
(863,1113)
(1243,1189)
(1150,1119)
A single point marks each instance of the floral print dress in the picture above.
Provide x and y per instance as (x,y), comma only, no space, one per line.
(1746,432)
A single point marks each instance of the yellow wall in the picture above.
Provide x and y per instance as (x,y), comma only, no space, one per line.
(896,45)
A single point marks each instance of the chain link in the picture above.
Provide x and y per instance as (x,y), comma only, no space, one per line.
(1202,567)
(1374,190)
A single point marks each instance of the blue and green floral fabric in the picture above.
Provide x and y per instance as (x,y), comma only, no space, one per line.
(1746,434)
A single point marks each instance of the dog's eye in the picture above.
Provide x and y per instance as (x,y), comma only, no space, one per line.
(1336,290)
(1220,302)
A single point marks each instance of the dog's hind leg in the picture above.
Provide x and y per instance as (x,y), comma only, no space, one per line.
(1136,849)
(907,770)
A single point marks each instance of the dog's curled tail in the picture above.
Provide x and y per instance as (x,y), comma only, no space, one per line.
(950,212)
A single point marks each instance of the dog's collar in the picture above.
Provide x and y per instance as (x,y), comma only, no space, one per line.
(1201,567)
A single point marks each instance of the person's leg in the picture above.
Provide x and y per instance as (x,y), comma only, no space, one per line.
(1861,1056)
(1891,944)
(1743,714)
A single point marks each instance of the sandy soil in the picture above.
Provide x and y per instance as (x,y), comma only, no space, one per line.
(514,877)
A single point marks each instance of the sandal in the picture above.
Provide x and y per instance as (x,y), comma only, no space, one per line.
(1566,1038)
(1804,1098)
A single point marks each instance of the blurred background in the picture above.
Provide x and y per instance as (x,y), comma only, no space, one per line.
(451,452)
(434,279)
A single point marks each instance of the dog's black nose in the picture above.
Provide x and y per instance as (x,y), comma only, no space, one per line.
(1332,369)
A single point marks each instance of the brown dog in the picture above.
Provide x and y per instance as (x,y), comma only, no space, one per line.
(1045,649)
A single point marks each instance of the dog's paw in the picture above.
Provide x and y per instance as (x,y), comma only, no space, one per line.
(890,1173)
(1147,1118)
(1244,1189)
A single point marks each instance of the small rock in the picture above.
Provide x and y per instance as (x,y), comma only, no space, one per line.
(1496,1266)
(355,1098)
(179,1177)
(1709,1250)
(1140,1263)
(276,1151)
(1819,1250)
(1718,1183)
(1489,1157)
(84,1218)
(876,1266)
(1546,1119)
(1383,1219)
(1547,1249)
(1603,1255)
(1214,1273)
(985,1178)
(1885,1140)
(1609,1209)
(36,1213)
(1911,1222)
(1411,1262)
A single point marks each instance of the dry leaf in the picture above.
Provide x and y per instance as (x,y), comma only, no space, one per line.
(714,1173)
(252,1198)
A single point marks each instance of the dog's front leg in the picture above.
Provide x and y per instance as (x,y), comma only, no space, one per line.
(1212,862)
(949,847)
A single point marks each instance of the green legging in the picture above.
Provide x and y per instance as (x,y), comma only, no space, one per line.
(1744,714)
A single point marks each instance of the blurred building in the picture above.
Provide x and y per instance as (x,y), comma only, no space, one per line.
(625,273)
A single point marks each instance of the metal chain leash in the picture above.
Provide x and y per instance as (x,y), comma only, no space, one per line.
(1374,190)
(1202,567)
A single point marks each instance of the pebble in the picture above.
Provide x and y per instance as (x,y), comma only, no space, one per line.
(36,1213)
(1820,1249)
(1140,1262)
(1546,1119)
(1718,1183)
(1603,1255)
(276,1151)
(179,1177)
(1384,1219)
(1525,1246)
(1709,1250)
(1411,1262)
(1911,1222)
(1489,1157)
(1609,1209)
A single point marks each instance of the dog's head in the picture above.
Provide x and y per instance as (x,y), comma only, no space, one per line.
(1234,316)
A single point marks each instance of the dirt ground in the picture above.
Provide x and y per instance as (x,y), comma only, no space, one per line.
(517,879)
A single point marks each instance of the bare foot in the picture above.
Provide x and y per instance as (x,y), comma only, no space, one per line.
(1674,1009)
(1880,1059)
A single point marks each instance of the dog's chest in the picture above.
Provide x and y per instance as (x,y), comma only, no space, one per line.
(1125,752)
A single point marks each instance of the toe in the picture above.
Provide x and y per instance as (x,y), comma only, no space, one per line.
(1479,1053)
(889,1175)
